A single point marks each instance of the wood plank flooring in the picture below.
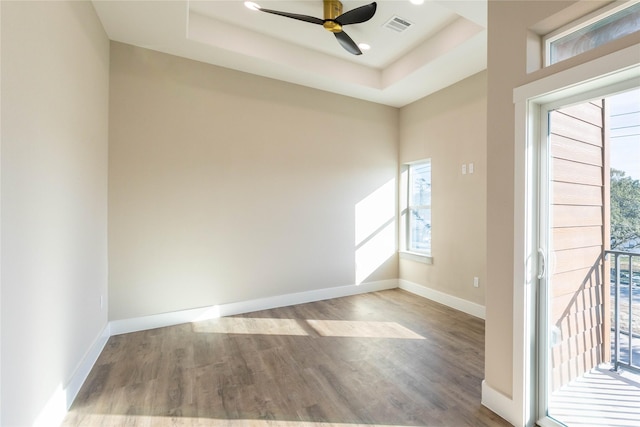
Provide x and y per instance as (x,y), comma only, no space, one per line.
(385,358)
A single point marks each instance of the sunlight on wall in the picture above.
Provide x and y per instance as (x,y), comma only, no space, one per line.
(374,211)
(54,411)
(375,236)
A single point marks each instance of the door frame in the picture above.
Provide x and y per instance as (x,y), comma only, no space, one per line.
(612,73)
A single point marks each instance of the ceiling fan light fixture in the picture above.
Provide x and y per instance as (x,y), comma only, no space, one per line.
(417,2)
(364,46)
(251,5)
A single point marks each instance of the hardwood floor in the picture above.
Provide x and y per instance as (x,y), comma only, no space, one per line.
(385,358)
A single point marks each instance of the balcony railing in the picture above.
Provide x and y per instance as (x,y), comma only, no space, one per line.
(625,288)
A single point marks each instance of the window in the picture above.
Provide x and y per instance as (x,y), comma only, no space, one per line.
(592,31)
(418,215)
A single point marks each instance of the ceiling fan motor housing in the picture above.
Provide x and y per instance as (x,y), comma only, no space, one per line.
(332,9)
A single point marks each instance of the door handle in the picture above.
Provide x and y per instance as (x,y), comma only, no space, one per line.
(542,270)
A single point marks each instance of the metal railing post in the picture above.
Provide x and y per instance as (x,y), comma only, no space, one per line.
(616,318)
(616,358)
(630,310)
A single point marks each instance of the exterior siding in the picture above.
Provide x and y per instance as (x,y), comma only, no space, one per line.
(579,287)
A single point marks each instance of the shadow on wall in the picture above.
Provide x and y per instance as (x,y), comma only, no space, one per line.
(581,342)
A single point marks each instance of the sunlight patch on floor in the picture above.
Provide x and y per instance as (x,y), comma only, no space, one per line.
(362,329)
(599,398)
(248,325)
(324,328)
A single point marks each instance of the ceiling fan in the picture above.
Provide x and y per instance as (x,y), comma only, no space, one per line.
(333,20)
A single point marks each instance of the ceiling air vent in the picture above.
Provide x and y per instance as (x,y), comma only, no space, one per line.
(397,24)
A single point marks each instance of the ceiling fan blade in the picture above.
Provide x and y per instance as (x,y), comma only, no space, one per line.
(304,18)
(347,43)
(357,15)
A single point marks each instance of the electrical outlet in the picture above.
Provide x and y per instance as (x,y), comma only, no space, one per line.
(476,282)
(464,169)
(470,168)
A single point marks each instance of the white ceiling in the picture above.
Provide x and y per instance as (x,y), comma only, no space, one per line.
(445,43)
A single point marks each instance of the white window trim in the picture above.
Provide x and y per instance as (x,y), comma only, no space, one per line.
(405,252)
(581,23)
(416,256)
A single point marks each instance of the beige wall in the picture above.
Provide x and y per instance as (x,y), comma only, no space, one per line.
(54,198)
(227,187)
(514,26)
(449,127)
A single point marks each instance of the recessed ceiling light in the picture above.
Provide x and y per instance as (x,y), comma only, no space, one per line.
(364,46)
(417,1)
(255,6)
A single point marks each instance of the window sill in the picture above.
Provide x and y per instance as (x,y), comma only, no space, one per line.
(413,256)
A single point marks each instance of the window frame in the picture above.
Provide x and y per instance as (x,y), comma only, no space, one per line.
(580,24)
(407,252)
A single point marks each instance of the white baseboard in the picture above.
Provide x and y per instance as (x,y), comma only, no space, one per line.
(193,315)
(500,404)
(60,401)
(460,304)
(84,368)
